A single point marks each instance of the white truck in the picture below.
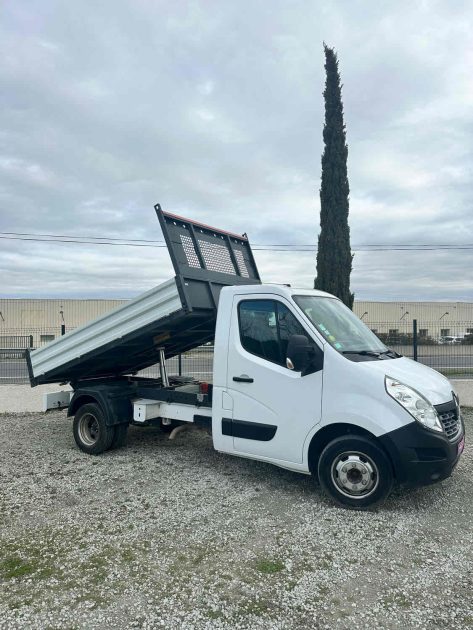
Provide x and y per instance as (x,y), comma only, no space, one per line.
(298,380)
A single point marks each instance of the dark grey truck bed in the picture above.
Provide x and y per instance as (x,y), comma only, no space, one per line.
(178,315)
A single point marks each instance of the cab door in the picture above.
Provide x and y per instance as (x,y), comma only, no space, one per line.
(274,407)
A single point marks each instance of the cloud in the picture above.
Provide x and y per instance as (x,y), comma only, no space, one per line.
(216,111)
(24,172)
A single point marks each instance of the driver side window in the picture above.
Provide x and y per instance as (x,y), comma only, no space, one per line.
(288,325)
(265,328)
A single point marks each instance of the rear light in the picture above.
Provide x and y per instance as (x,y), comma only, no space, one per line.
(204,388)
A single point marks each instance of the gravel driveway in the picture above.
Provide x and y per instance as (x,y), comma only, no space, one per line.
(172,534)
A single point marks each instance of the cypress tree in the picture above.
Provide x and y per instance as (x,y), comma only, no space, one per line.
(334,257)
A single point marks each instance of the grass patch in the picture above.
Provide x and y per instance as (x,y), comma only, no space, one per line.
(128,555)
(214,614)
(15,567)
(396,599)
(199,557)
(325,561)
(41,570)
(268,567)
(16,604)
(256,607)
(188,563)
(97,566)
(21,561)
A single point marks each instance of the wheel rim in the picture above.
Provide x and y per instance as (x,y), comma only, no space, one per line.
(355,474)
(88,429)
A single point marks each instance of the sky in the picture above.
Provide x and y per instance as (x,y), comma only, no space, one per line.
(215,110)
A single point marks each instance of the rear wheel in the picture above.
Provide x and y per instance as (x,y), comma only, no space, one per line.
(119,435)
(91,433)
(355,472)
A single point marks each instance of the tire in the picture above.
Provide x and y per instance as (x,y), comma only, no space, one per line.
(91,433)
(355,472)
(120,434)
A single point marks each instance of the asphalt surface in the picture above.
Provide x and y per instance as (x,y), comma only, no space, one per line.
(171,534)
(16,371)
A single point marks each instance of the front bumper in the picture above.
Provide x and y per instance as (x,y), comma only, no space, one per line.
(420,456)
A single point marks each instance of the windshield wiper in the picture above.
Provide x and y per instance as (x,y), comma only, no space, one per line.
(391,353)
(373,353)
(367,353)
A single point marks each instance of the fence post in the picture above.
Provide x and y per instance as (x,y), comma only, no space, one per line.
(414,338)
(179,364)
(63,329)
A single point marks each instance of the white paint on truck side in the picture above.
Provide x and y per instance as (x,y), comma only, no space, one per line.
(145,409)
(158,303)
(56,400)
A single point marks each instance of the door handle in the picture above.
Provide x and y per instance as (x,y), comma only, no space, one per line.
(243,379)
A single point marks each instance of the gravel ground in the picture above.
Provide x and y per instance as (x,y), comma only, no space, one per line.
(172,534)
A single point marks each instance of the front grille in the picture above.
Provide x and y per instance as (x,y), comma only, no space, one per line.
(450,420)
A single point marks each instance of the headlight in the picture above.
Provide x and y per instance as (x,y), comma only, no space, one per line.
(413,402)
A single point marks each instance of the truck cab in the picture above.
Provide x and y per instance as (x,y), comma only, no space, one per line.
(301,382)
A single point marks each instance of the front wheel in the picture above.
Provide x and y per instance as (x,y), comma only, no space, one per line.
(355,472)
(91,433)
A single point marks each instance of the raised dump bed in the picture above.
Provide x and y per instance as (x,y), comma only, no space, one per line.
(177,315)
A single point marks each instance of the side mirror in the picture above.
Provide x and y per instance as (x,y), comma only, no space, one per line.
(302,355)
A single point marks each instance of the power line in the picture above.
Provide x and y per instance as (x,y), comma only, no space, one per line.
(95,238)
(104,240)
(144,240)
(57,240)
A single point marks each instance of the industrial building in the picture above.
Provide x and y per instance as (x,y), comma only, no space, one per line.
(434,319)
(34,322)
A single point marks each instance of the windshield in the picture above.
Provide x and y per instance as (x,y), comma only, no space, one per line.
(338,325)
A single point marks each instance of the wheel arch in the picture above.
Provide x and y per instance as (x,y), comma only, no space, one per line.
(78,400)
(332,431)
(116,406)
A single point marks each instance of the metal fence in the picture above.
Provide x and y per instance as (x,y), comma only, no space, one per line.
(448,349)
(196,363)
(14,342)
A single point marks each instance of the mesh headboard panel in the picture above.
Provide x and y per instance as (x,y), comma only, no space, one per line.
(203,253)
